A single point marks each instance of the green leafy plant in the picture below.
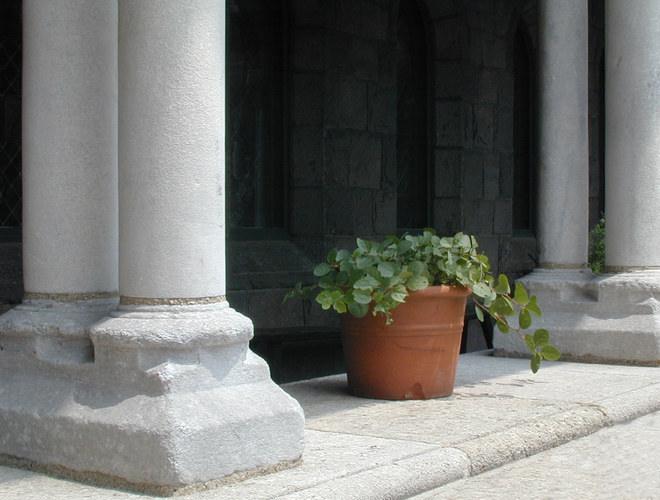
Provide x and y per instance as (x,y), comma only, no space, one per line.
(378,276)
(597,247)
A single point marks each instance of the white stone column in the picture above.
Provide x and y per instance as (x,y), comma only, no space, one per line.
(563,204)
(213,409)
(632,140)
(69,175)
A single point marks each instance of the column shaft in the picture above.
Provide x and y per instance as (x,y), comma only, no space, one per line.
(69,147)
(171,139)
(564,153)
(632,141)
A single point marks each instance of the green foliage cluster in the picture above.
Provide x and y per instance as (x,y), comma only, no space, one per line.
(597,247)
(378,276)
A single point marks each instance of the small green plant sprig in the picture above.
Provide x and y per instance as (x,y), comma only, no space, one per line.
(378,276)
(597,247)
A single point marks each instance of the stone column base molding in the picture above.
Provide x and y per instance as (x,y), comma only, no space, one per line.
(611,318)
(171,398)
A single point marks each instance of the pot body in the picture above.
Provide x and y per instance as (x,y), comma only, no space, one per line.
(415,356)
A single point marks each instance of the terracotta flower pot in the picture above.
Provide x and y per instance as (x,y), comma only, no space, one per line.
(415,356)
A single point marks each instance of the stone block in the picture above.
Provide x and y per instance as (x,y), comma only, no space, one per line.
(308,13)
(447,172)
(339,211)
(505,83)
(478,217)
(307,156)
(449,81)
(308,102)
(338,145)
(440,10)
(482,126)
(473,174)
(506,175)
(518,255)
(490,245)
(351,56)
(491,167)
(612,318)
(171,398)
(384,212)
(447,215)
(468,126)
(266,310)
(381,108)
(308,49)
(345,102)
(448,123)
(389,169)
(344,15)
(503,218)
(503,130)
(494,51)
(448,40)
(365,160)
(363,212)
(386,63)
(487,86)
(307,212)
(375,20)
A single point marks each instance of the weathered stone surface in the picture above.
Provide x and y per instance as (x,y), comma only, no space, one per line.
(307,156)
(308,104)
(382,108)
(384,212)
(473,174)
(478,216)
(503,129)
(449,82)
(448,178)
(307,213)
(448,37)
(482,127)
(612,318)
(502,217)
(345,102)
(352,56)
(340,211)
(447,215)
(308,49)
(448,123)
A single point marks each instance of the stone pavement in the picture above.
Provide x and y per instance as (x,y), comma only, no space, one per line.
(619,462)
(370,449)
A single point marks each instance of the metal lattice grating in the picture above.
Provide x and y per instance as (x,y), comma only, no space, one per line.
(10,133)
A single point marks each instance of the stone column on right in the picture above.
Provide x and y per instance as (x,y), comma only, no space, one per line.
(632,135)
(563,205)
(615,317)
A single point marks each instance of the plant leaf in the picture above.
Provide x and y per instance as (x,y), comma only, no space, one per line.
(357,309)
(503,326)
(520,294)
(541,337)
(529,340)
(536,362)
(524,319)
(322,269)
(386,269)
(551,353)
(417,283)
(502,285)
